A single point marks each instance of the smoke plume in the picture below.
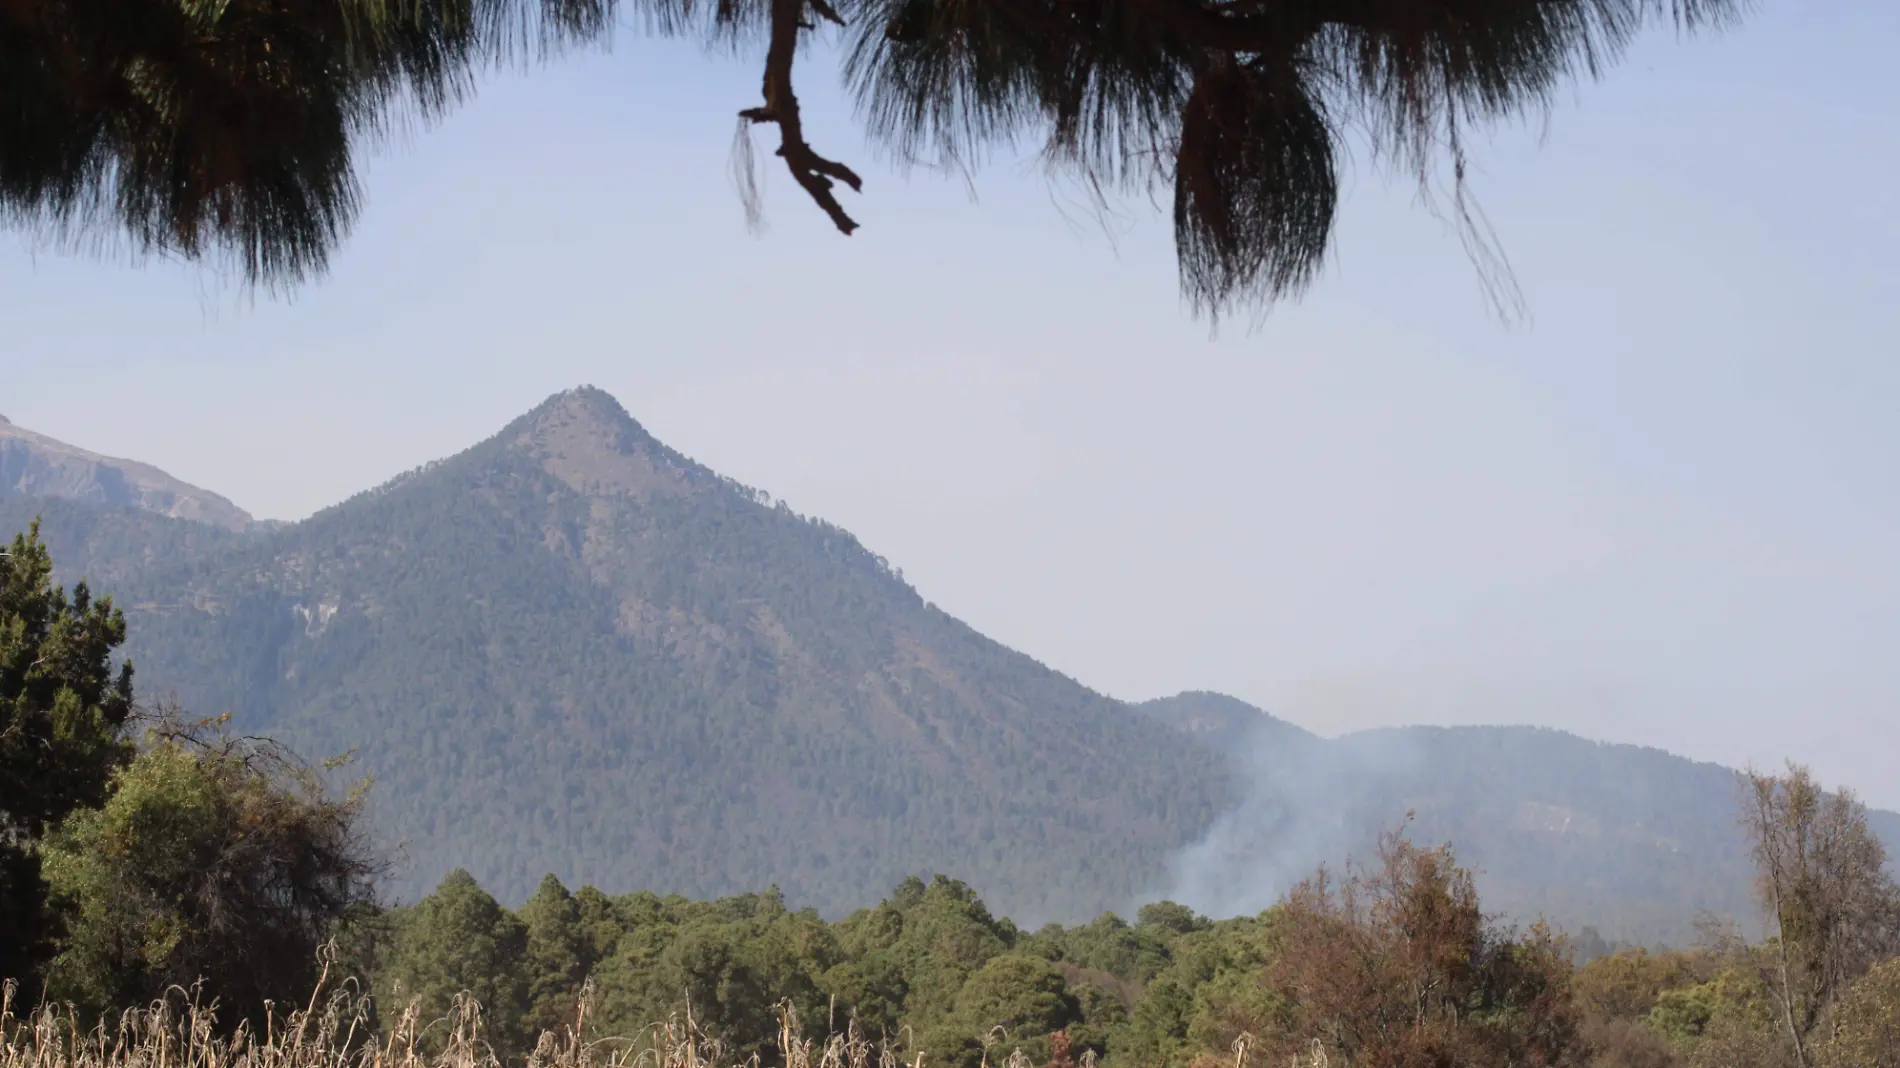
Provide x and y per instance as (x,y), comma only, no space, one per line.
(1307,802)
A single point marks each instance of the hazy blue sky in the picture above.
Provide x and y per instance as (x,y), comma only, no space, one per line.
(1666,510)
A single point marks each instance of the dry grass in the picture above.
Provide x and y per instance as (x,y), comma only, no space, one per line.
(337,1030)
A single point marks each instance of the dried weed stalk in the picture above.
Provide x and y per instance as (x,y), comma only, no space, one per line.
(338,1029)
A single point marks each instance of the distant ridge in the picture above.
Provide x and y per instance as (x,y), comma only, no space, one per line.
(34,465)
(1222,722)
(1630,840)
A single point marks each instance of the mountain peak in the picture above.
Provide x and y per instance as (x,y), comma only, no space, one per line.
(585,438)
(584,410)
(584,403)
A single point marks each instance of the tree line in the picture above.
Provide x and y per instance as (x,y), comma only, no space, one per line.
(145,856)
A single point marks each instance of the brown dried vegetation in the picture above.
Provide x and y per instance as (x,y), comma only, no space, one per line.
(338,1028)
(1397,967)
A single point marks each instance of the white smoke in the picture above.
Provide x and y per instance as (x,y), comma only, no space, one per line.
(1307,802)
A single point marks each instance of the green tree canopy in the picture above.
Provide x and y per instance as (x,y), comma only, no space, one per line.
(728,962)
(559,957)
(1109,944)
(63,710)
(1189,1007)
(945,933)
(1171,916)
(192,127)
(220,861)
(1024,995)
(460,940)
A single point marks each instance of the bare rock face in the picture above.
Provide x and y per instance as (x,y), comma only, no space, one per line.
(34,465)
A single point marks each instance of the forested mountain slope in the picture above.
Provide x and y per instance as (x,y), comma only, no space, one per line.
(570,649)
(111,546)
(1629,840)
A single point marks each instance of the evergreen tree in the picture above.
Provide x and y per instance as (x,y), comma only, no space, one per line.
(1170,916)
(1024,995)
(235,128)
(460,940)
(231,129)
(63,710)
(947,934)
(558,957)
(599,925)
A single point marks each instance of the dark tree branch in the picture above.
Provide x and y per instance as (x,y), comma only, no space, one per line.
(1218,29)
(813,172)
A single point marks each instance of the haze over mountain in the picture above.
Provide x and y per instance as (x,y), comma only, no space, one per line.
(1630,840)
(572,649)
